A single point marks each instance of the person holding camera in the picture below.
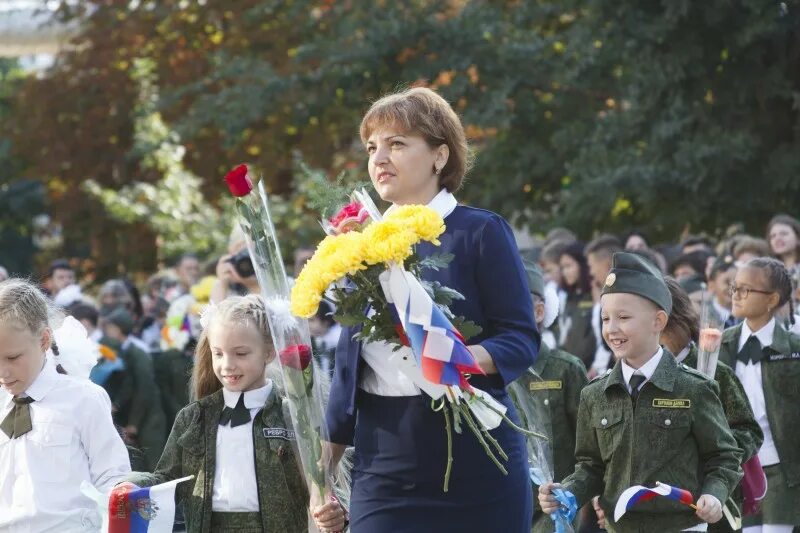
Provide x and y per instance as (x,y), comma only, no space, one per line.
(235,274)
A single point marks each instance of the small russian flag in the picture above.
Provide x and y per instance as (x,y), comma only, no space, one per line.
(639,493)
(133,509)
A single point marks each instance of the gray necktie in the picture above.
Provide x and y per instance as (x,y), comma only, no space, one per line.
(18,421)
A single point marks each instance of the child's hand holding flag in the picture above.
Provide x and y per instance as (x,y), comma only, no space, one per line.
(129,508)
(708,508)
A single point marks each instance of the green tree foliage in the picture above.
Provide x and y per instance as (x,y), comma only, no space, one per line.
(593,114)
(20,199)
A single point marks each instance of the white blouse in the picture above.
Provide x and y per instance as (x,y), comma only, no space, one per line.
(73,440)
(235,487)
(750,376)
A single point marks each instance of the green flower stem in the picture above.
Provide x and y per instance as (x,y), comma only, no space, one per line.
(477,433)
(489,436)
(508,420)
(449,430)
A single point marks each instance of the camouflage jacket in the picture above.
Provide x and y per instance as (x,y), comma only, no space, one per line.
(737,409)
(677,434)
(780,375)
(555,390)
(557,395)
(191,450)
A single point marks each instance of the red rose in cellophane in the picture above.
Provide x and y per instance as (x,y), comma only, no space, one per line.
(297,356)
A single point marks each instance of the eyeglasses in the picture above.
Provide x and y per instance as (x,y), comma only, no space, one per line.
(744,292)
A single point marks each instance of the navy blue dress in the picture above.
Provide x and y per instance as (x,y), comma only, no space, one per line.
(400,442)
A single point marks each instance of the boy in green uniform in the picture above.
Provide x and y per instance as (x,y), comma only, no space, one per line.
(649,419)
(555,388)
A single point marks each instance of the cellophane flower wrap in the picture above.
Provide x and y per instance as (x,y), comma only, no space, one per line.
(373,265)
(290,334)
(710,337)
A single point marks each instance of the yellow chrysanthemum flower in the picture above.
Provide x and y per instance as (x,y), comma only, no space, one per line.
(389,241)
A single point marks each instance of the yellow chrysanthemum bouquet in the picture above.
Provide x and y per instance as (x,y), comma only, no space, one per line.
(346,266)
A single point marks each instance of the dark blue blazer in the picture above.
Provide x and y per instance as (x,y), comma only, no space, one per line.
(488,271)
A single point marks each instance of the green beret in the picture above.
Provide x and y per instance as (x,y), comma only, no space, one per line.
(535,279)
(121,318)
(633,274)
(692,283)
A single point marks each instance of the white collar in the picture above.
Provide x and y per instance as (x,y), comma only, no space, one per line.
(683,353)
(764,335)
(253,399)
(443,203)
(647,369)
(723,312)
(43,384)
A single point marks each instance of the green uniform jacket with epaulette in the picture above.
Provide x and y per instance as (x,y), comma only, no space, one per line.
(780,377)
(556,390)
(677,435)
(191,450)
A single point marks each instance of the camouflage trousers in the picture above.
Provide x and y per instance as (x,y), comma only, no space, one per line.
(236,522)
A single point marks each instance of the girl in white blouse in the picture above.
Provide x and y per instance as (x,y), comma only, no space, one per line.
(55,429)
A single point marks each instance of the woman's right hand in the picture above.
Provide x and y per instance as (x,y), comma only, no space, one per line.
(547,501)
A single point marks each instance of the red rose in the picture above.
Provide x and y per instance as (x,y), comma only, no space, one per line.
(350,210)
(239,182)
(296,356)
(348,218)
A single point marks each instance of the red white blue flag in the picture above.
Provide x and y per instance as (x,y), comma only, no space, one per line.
(639,493)
(133,509)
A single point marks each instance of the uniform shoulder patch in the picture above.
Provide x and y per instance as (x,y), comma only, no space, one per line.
(693,371)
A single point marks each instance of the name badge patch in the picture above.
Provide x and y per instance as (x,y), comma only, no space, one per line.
(672,403)
(545,385)
(278,433)
(784,356)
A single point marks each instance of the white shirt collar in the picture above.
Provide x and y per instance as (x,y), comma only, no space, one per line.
(43,383)
(253,399)
(647,369)
(443,203)
(764,335)
(683,354)
(723,312)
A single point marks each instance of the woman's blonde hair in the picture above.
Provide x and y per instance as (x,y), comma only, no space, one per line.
(423,112)
(24,304)
(235,309)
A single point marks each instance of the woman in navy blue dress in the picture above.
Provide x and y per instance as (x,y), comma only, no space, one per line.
(418,155)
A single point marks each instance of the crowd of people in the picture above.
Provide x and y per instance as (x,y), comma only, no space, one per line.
(592,309)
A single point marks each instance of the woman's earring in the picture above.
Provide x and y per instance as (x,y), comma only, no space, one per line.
(437,170)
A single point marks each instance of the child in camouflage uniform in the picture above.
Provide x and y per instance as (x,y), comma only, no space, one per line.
(234,438)
(554,385)
(648,419)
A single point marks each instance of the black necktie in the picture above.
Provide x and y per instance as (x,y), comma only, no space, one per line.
(237,416)
(751,351)
(635,382)
(18,420)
